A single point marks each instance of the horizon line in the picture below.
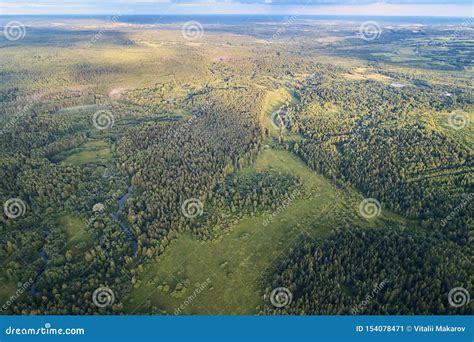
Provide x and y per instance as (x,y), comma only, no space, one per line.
(233,14)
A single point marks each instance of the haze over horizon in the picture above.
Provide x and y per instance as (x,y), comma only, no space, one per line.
(456,8)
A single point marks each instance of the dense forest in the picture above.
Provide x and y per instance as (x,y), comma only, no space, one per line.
(144,165)
(384,141)
(372,272)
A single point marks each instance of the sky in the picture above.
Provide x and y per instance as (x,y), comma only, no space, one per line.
(457,8)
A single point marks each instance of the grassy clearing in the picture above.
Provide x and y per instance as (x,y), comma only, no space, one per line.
(7,289)
(74,227)
(458,126)
(274,101)
(362,74)
(79,109)
(235,263)
(89,152)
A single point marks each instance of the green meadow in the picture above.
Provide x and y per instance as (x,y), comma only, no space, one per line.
(89,152)
(235,263)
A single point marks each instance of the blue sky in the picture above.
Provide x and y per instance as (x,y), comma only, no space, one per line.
(462,8)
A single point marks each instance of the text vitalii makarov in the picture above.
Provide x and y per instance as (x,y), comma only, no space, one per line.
(438,328)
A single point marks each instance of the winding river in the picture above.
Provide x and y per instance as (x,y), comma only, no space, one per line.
(115,216)
(45,259)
